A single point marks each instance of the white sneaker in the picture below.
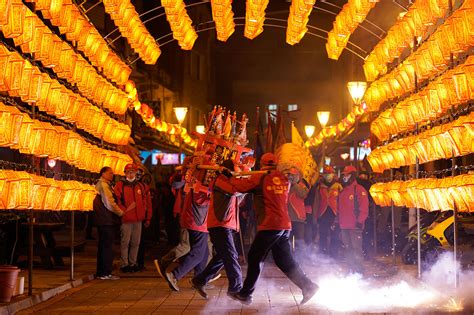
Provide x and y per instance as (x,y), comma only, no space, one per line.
(112,277)
(103,278)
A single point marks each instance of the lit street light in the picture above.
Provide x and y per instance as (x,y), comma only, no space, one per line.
(323,118)
(180,113)
(309,130)
(200,129)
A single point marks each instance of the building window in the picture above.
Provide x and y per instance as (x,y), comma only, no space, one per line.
(292,107)
(272,108)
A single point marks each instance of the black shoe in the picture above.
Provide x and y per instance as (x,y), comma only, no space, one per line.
(126,269)
(309,292)
(134,268)
(172,282)
(90,238)
(237,296)
(199,288)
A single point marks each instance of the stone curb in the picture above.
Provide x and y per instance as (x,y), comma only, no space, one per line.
(28,302)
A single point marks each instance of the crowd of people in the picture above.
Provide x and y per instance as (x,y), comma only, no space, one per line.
(288,214)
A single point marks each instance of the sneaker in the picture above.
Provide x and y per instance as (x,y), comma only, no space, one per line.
(199,288)
(103,277)
(126,269)
(309,293)
(113,277)
(237,296)
(159,268)
(172,282)
(215,278)
(134,268)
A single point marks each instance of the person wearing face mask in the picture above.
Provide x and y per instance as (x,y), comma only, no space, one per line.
(325,205)
(132,199)
(353,209)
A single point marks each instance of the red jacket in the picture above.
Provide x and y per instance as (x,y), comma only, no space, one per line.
(347,215)
(326,198)
(194,213)
(224,205)
(127,193)
(270,199)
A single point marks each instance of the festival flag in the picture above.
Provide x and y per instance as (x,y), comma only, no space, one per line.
(269,132)
(280,136)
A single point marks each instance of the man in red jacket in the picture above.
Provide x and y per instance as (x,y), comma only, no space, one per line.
(273,230)
(325,205)
(353,208)
(194,219)
(222,223)
(134,200)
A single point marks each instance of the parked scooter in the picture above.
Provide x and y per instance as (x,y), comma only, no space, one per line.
(437,235)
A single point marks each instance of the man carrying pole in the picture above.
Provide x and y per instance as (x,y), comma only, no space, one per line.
(273,231)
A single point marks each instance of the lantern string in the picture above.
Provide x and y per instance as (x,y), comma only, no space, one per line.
(462,110)
(55,30)
(69,126)
(54,76)
(428,174)
(390,103)
(8,165)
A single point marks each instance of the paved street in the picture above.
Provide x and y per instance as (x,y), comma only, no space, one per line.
(383,289)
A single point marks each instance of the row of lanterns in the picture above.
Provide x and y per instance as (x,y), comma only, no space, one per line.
(441,142)
(22,190)
(343,126)
(65,15)
(298,19)
(351,15)
(38,40)
(172,130)
(131,27)
(414,24)
(19,78)
(455,35)
(180,23)
(447,91)
(431,194)
(223,17)
(31,136)
(254,17)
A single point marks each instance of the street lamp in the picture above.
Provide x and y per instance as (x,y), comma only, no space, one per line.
(323,118)
(180,113)
(309,130)
(200,129)
(357,90)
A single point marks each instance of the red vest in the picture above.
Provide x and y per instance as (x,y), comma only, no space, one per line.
(224,205)
(194,213)
(270,199)
(327,198)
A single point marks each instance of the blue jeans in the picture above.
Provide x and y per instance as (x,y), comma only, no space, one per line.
(226,256)
(196,258)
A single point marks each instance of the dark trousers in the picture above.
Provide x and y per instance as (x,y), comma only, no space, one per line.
(278,241)
(328,240)
(196,258)
(226,256)
(309,230)
(105,250)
